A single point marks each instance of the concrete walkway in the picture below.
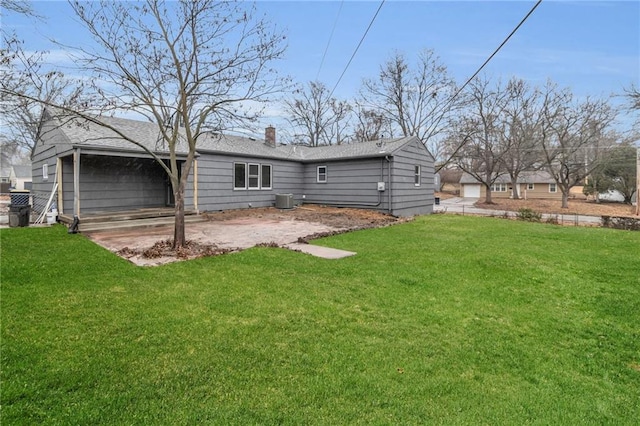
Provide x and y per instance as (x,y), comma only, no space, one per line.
(464,206)
(319,251)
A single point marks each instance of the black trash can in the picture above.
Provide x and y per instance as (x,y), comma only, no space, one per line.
(19,215)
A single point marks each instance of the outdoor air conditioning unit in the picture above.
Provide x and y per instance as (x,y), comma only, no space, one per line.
(284,201)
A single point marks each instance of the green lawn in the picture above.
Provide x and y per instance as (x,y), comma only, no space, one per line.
(444,320)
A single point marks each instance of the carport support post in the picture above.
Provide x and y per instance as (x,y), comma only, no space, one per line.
(76,182)
(59,180)
(195,185)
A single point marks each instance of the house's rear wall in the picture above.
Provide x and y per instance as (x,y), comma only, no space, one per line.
(215,183)
(349,184)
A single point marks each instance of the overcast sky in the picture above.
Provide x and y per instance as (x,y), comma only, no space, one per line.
(593,47)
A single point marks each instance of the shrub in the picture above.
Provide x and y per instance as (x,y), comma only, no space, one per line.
(618,222)
(552,220)
(528,215)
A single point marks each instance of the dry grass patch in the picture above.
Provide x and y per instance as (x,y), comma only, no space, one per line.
(581,207)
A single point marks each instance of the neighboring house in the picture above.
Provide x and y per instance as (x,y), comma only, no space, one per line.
(97,171)
(4,180)
(539,184)
(20,177)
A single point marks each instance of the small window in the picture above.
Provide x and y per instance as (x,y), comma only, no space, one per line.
(553,188)
(45,172)
(530,187)
(239,176)
(254,176)
(265,176)
(499,187)
(322,174)
(416,175)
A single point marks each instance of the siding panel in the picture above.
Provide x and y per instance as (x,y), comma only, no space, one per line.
(409,199)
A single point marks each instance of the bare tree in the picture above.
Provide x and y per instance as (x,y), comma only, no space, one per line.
(413,98)
(573,136)
(27,73)
(616,171)
(633,95)
(22,7)
(320,120)
(521,121)
(476,136)
(370,125)
(190,67)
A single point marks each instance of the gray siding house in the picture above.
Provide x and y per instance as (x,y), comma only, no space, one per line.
(96,171)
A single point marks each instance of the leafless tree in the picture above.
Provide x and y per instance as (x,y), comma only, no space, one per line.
(633,95)
(27,73)
(476,137)
(573,136)
(320,120)
(22,7)
(370,124)
(521,120)
(415,99)
(188,66)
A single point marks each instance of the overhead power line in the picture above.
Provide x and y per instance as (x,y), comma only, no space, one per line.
(494,52)
(358,47)
(324,55)
(455,95)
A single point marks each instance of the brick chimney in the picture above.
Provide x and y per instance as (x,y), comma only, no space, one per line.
(270,136)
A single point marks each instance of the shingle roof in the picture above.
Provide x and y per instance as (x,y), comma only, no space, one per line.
(539,176)
(22,172)
(84,133)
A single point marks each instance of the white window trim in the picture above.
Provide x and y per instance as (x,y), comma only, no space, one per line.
(246,186)
(246,170)
(45,171)
(499,187)
(270,176)
(530,187)
(249,176)
(318,174)
(555,188)
(417,173)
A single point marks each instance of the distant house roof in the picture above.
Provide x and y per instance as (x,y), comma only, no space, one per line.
(22,172)
(82,133)
(539,176)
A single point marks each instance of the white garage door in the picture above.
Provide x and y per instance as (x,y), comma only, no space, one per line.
(472,191)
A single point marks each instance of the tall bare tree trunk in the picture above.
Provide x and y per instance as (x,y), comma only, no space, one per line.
(487,197)
(514,188)
(179,236)
(565,199)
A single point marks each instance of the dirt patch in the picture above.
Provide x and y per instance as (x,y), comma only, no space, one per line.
(576,206)
(331,216)
(234,230)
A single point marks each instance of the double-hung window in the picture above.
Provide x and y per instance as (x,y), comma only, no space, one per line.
(553,188)
(251,176)
(499,187)
(416,175)
(265,176)
(254,176)
(239,176)
(321,174)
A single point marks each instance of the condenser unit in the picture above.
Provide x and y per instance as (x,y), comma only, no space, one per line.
(284,201)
